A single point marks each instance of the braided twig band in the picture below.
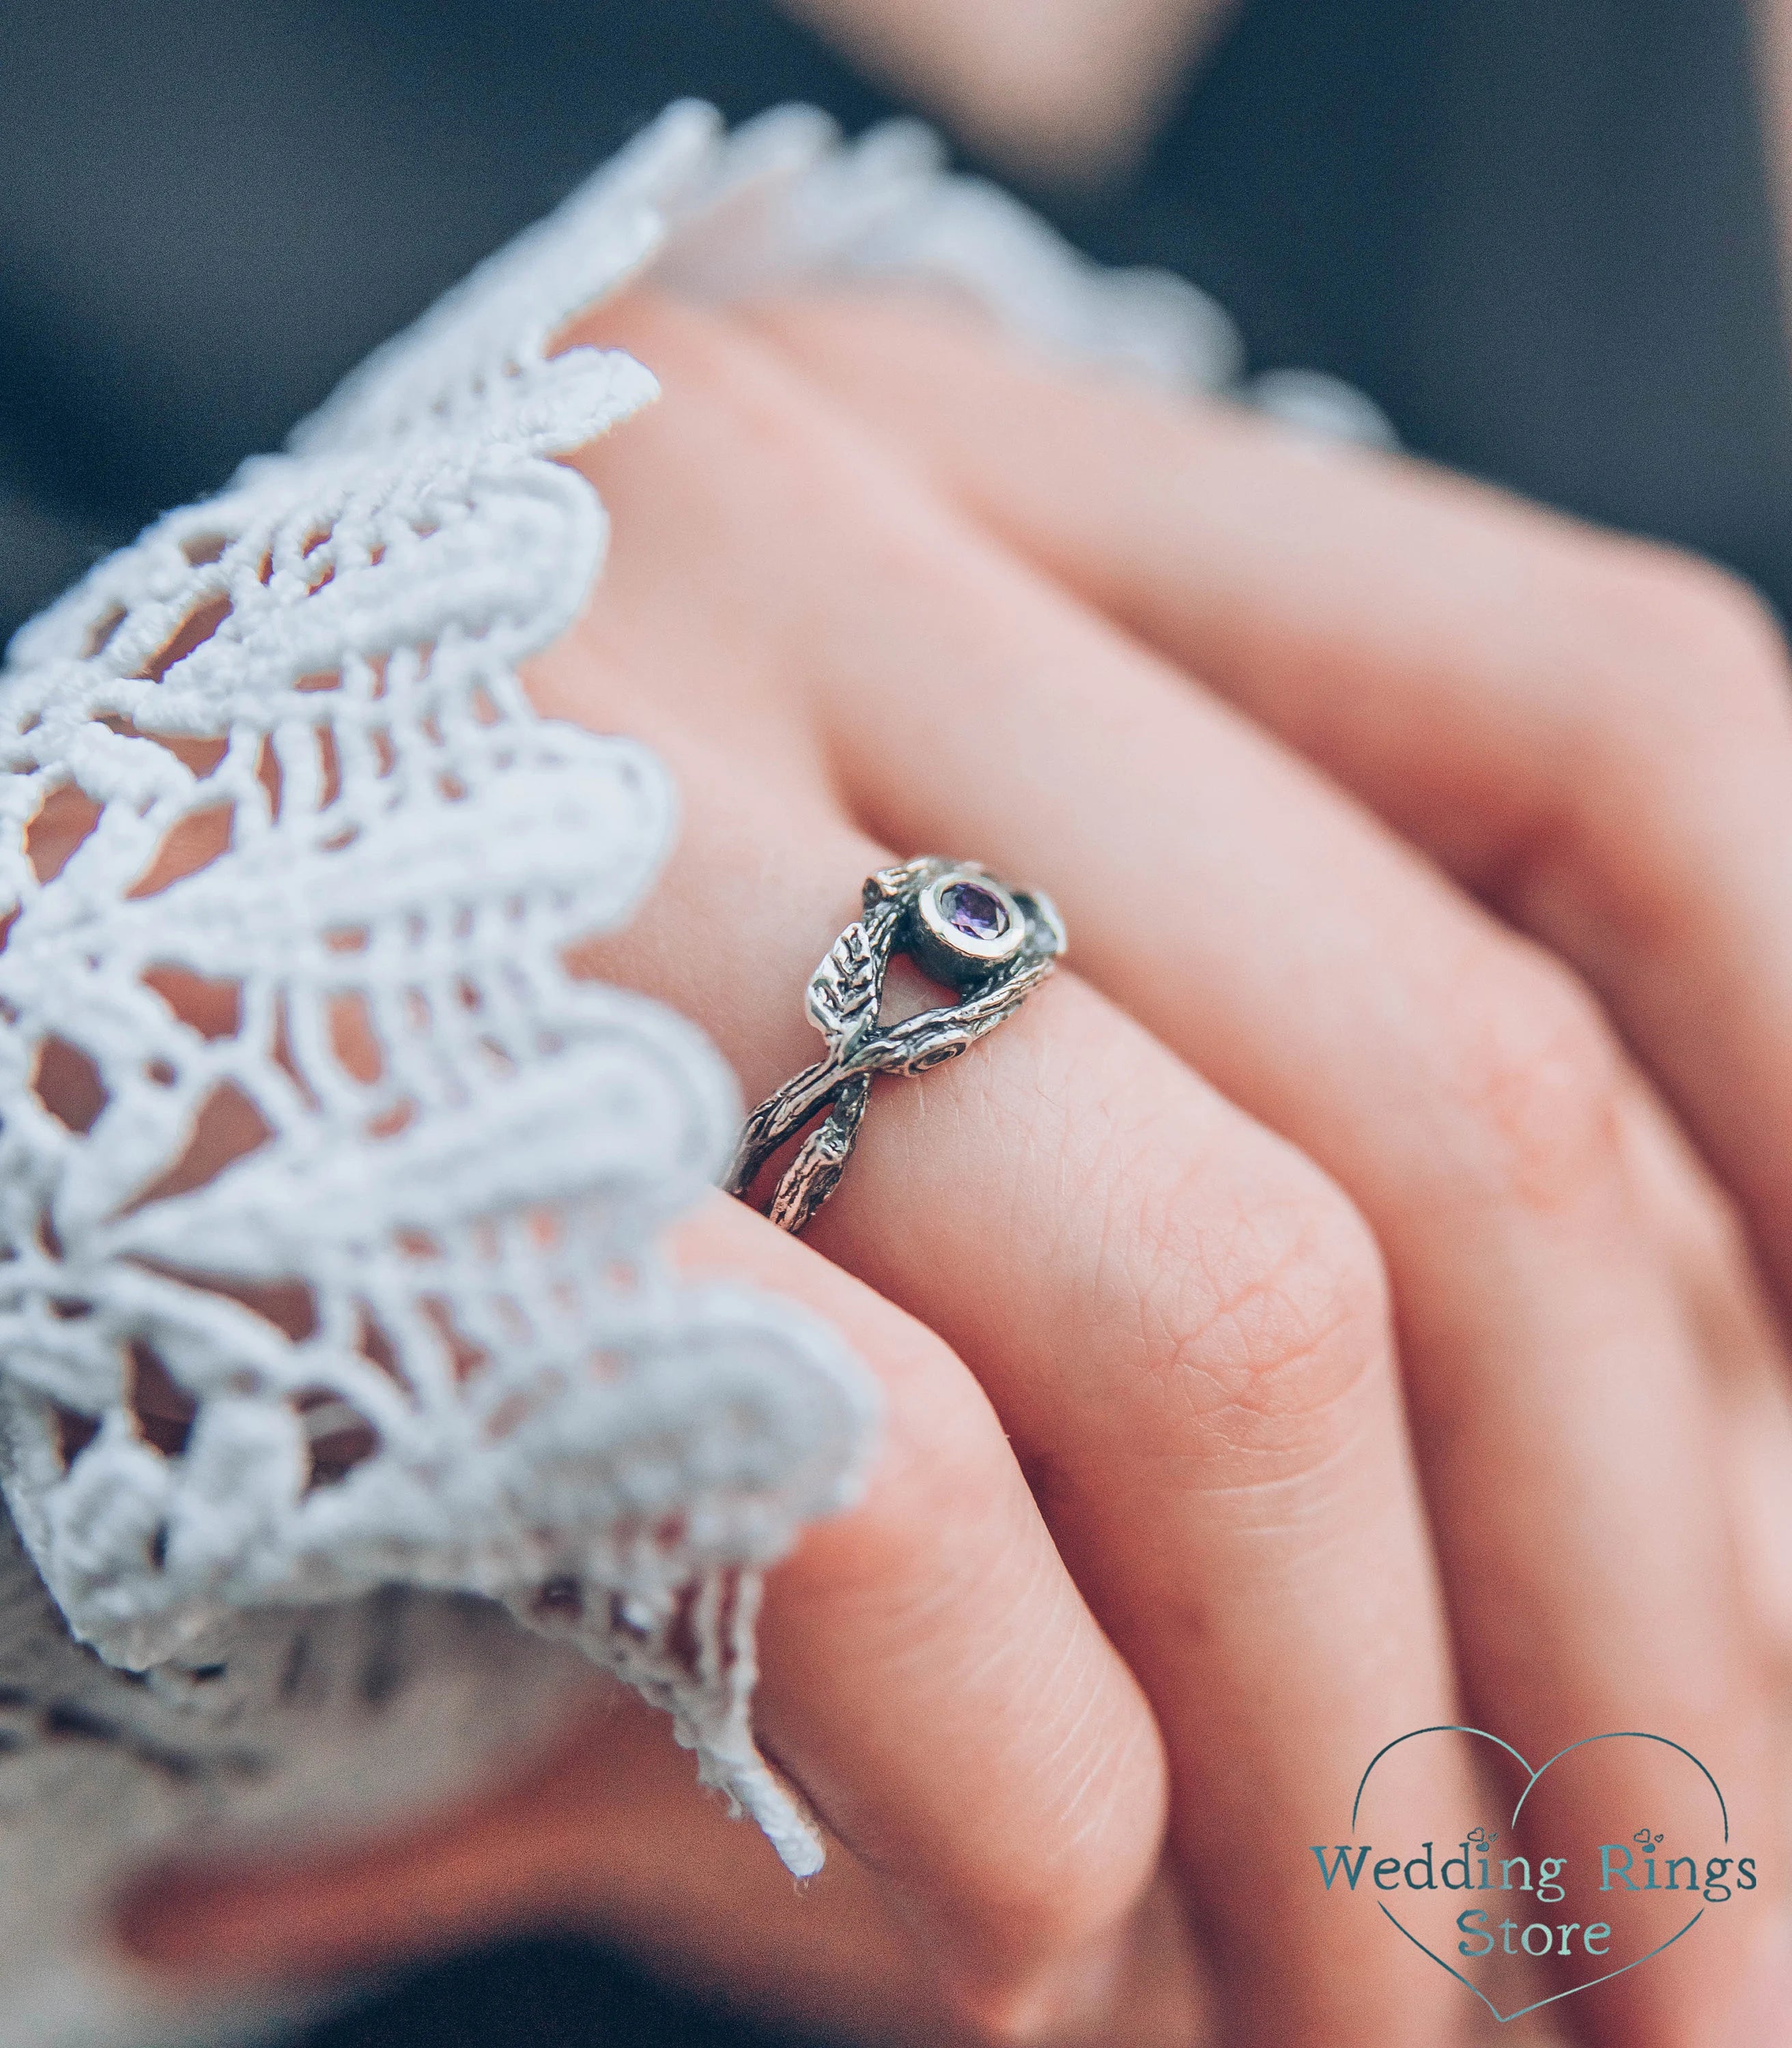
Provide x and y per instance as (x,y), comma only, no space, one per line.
(992,944)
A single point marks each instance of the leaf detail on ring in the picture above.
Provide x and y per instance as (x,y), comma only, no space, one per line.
(843,1000)
(844,991)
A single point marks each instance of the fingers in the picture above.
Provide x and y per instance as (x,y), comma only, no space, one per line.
(1462,1087)
(1183,1328)
(1744,1350)
(931,1677)
(606,1834)
(1595,735)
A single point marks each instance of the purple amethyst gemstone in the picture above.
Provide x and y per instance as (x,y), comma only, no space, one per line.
(979,913)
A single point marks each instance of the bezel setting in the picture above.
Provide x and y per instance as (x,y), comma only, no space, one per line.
(941,944)
(905,911)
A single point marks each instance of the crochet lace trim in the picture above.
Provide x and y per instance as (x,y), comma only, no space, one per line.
(329,1198)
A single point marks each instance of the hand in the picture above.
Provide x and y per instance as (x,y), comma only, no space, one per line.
(1401,982)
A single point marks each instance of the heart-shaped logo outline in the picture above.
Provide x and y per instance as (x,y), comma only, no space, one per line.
(1614,1735)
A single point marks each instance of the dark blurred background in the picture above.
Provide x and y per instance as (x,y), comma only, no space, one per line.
(557,1994)
(1537,232)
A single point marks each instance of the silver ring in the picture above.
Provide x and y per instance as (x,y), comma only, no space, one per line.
(991,945)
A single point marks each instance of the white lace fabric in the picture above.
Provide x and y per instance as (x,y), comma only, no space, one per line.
(329,1198)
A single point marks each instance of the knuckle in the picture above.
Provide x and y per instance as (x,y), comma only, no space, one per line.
(1001,2014)
(1017,1978)
(1262,1324)
(1668,618)
(1030,2005)
(1019,1934)
(1537,1083)
(1672,712)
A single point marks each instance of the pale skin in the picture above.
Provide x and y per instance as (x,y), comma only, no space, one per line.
(1064,89)
(1295,1320)
(1293,1323)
